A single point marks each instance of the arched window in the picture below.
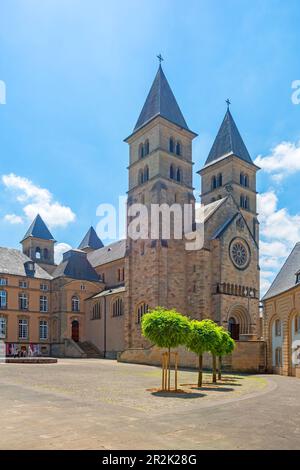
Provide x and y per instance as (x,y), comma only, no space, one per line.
(3,327)
(38,252)
(246,181)
(3,299)
(242,179)
(297,324)
(141,151)
(178,148)
(141,177)
(46,253)
(146,148)
(179,175)
(277,327)
(172,172)
(220,180)
(75,304)
(242,202)
(96,313)
(213,182)
(146,173)
(247,203)
(117,308)
(141,310)
(171,145)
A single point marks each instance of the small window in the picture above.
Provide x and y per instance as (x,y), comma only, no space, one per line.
(298,277)
(141,151)
(178,175)
(178,148)
(213,182)
(96,313)
(277,328)
(3,327)
(220,180)
(146,173)
(146,148)
(23,284)
(46,253)
(44,287)
(172,172)
(23,329)
(75,304)
(38,252)
(43,329)
(117,308)
(141,310)
(3,299)
(23,301)
(3,281)
(141,177)
(82,286)
(43,304)
(171,145)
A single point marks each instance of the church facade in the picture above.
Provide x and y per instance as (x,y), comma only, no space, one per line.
(115,285)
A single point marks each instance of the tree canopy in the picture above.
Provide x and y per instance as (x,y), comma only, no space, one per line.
(204,336)
(165,328)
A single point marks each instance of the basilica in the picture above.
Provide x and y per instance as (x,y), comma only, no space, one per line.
(92,303)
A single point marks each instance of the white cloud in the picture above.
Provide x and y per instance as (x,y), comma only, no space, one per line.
(283,160)
(13,219)
(36,200)
(279,231)
(59,250)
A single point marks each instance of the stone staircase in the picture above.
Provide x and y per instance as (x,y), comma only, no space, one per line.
(90,350)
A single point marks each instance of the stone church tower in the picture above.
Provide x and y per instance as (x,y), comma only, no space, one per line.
(220,279)
(160,172)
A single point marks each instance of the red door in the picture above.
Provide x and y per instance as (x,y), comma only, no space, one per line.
(75,331)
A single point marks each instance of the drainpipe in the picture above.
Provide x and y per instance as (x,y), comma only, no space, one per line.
(104,345)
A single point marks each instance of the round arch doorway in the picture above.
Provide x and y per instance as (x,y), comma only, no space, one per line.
(75,331)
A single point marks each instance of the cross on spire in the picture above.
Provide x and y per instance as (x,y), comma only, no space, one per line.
(228,103)
(160,58)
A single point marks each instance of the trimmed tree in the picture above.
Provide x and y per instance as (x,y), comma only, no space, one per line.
(203,337)
(225,346)
(166,329)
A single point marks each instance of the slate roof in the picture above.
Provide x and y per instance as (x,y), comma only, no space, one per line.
(14,262)
(286,278)
(108,253)
(161,102)
(91,240)
(38,229)
(228,142)
(76,266)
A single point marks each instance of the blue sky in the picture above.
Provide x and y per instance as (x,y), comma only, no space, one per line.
(77,73)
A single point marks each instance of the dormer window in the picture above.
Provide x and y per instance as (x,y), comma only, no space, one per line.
(298,277)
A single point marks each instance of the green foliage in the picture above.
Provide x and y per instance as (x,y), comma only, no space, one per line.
(165,328)
(204,337)
(225,345)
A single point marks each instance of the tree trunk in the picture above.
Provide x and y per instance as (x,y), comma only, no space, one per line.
(220,368)
(169,370)
(200,374)
(214,369)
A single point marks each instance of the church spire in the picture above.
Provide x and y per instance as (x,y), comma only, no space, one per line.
(91,241)
(228,141)
(161,102)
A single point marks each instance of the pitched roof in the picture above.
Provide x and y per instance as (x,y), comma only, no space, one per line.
(76,266)
(286,278)
(161,102)
(104,293)
(38,229)
(91,240)
(228,142)
(108,253)
(14,262)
